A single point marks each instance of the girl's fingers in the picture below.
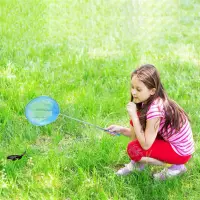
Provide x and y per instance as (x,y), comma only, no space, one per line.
(110,127)
(110,133)
(113,130)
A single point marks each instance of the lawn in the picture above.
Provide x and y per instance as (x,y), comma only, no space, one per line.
(82,53)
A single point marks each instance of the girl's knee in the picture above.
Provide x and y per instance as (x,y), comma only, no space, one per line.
(135,150)
(133,144)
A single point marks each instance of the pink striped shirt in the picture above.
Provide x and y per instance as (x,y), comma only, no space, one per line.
(182,142)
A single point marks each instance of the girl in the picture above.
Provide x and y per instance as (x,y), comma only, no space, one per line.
(160,129)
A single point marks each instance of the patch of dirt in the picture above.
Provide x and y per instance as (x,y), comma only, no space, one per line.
(42,143)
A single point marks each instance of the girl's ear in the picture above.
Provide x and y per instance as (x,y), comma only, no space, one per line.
(153,91)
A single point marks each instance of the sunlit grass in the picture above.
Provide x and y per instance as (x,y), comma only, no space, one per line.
(81,53)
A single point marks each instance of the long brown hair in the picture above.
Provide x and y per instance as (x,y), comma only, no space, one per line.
(175,116)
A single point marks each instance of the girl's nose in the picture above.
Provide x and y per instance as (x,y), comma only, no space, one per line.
(133,91)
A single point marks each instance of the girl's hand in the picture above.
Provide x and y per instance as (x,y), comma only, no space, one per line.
(132,109)
(115,129)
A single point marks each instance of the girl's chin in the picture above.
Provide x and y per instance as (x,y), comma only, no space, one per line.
(136,100)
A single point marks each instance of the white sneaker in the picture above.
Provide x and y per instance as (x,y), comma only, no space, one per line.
(172,171)
(129,168)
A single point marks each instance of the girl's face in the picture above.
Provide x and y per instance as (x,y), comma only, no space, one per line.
(139,91)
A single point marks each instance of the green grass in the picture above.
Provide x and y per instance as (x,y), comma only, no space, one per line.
(81,53)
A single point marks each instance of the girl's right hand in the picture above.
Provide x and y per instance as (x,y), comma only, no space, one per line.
(115,129)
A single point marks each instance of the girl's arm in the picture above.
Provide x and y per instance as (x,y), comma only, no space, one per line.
(133,136)
(126,131)
(147,137)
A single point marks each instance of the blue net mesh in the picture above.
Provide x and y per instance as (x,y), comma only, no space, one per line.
(42,111)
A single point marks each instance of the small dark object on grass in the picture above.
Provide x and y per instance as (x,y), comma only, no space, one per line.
(16,157)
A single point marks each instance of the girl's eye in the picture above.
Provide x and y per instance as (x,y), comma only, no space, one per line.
(136,89)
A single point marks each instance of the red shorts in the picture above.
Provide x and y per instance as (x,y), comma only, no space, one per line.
(160,150)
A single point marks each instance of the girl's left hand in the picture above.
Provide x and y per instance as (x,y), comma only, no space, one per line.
(131,108)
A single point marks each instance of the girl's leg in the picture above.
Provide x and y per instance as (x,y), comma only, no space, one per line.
(152,161)
(160,153)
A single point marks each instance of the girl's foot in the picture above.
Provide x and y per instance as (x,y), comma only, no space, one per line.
(132,166)
(172,171)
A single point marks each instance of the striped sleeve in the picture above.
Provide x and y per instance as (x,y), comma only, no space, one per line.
(155,110)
